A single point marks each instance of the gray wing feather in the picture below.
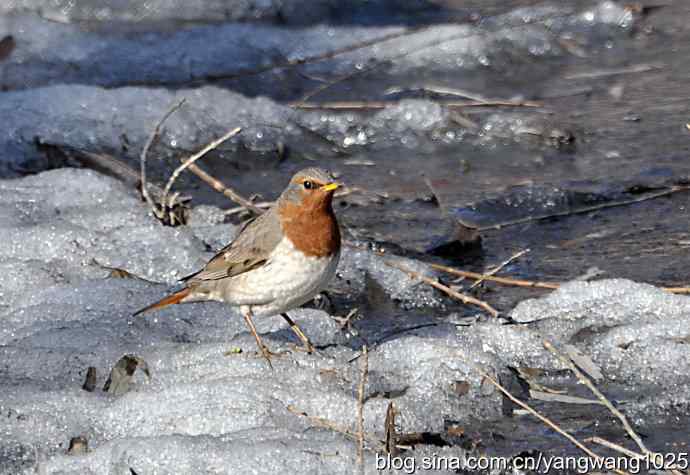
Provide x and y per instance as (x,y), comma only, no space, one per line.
(250,249)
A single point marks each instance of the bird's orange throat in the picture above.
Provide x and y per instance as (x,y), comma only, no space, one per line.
(311,226)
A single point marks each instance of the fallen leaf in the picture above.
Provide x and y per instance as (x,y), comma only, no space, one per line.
(121,375)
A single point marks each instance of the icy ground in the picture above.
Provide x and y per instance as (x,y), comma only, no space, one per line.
(103,90)
(96,79)
(208,408)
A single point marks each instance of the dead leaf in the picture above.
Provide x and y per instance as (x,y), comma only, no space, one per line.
(7,45)
(391,435)
(551,397)
(90,380)
(584,362)
(78,446)
(121,375)
(461,387)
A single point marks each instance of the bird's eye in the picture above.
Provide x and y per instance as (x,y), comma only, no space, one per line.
(308,185)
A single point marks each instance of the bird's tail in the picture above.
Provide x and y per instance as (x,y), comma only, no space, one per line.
(177,297)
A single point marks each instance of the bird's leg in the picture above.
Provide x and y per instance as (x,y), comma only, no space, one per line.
(264,351)
(308,347)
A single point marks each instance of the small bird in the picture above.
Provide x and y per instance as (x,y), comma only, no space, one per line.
(278,261)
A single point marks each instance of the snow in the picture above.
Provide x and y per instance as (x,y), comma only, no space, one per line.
(103,88)
(207,407)
(62,313)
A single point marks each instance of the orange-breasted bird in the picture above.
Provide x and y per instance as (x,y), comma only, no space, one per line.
(276,263)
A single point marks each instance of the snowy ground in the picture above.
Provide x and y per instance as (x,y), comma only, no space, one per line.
(209,407)
(204,411)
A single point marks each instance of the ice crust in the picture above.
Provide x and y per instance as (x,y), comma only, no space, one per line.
(62,313)
(150,11)
(103,89)
(205,412)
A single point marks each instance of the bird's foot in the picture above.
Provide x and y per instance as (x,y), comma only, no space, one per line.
(268,354)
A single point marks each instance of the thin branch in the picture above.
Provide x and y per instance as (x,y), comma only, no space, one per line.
(499,267)
(375,105)
(466,299)
(586,381)
(499,280)
(589,209)
(431,44)
(144,153)
(335,427)
(677,290)
(548,422)
(220,187)
(315,58)
(239,209)
(189,161)
(613,446)
(638,68)
(527,283)
(360,408)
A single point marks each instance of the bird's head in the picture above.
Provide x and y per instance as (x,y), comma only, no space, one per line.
(310,189)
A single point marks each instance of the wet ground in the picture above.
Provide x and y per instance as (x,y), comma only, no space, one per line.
(610,126)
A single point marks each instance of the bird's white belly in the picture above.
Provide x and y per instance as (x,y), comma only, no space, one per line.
(287,280)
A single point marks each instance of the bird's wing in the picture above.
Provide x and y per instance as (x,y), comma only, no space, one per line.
(249,250)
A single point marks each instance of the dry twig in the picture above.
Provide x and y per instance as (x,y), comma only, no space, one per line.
(548,422)
(193,158)
(335,427)
(526,283)
(616,447)
(499,280)
(466,299)
(167,203)
(637,68)
(499,267)
(586,381)
(374,105)
(144,154)
(589,209)
(360,408)
(262,205)
(226,191)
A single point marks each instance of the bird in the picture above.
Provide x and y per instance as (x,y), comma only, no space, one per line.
(277,262)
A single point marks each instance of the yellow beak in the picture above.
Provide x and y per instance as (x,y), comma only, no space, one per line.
(330,187)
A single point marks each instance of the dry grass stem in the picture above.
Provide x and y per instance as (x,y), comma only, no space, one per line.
(315,58)
(431,44)
(637,68)
(548,422)
(589,209)
(375,105)
(586,381)
(616,447)
(324,423)
(189,161)
(226,191)
(526,283)
(499,280)
(241,209)
(360,408)
(677,290)
(145,151)
(624,451)
(466,299)
(499,267)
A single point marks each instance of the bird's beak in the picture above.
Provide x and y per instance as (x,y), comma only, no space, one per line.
(330,187)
